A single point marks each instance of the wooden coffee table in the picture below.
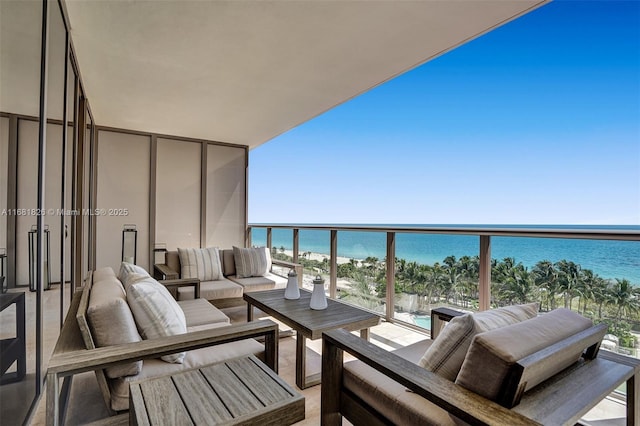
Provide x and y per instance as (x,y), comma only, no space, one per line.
(309,323)
(240,391)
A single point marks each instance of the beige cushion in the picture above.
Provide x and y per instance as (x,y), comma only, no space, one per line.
(196,358)
(390,398)
(212,290)
(492,353)
(251,262)
(156,312)
(172,260)
(228,262)
(201,263)
(111,321)
(199,311)
(102,273)
(267,282)
(446,354)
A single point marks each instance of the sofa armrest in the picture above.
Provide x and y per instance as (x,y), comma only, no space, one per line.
(163,272)
(295,266)
(70,363)
(453,398)
(183,282)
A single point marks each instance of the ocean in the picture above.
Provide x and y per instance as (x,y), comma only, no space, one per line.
(608,259)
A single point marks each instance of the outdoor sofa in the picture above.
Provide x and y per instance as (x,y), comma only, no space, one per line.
(140,333)
(237,271)
(506,366)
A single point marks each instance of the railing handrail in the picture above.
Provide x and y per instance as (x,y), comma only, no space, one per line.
(604,233)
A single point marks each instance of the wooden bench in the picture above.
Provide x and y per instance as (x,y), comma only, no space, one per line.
(71,357)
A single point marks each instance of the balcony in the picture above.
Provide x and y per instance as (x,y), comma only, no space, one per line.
(592,271)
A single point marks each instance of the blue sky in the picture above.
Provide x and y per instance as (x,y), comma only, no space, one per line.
(537,122)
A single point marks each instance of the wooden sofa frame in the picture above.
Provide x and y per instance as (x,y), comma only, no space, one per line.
(71,357)
(561,400)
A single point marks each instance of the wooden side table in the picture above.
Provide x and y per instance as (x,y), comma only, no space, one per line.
(13,349)
(238,391)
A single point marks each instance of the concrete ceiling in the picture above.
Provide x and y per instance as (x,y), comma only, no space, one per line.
(244,72)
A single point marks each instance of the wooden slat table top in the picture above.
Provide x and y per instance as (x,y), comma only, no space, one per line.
(234,392)
(569,395)
(311,323)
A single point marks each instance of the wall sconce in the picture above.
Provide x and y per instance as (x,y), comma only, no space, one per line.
(3,266)
(33,257)
(129,243)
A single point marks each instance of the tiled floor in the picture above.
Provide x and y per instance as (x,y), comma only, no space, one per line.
(86,402)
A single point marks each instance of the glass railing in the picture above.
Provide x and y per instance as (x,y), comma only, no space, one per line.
(594,271)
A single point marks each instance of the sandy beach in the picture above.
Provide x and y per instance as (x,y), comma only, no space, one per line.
(319,257)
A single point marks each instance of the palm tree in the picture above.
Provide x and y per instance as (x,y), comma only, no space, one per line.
(518,286)
(546,279)
(625,299)
(568,278)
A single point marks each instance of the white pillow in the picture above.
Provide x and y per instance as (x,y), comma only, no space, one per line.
(200,263)
(251,262)
(129,268)
(156,312)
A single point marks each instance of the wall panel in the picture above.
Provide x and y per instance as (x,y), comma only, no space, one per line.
(178,193)
(226,194)
(122,183)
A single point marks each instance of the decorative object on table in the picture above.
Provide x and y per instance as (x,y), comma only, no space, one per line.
(33,258)
(129,243)
(318,297)
(3,265)
(292,291)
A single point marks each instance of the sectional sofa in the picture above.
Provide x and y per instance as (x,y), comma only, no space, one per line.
(237,271)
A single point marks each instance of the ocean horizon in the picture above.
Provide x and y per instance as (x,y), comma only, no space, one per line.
(606,258)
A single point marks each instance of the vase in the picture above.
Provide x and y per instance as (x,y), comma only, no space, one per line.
(292,291)
(318,297)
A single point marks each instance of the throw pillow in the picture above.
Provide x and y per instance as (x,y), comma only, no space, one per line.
(251,262)
(446,354)
(129,268)
(157,314)
(200,263)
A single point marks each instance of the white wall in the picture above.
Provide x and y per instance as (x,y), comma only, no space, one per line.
(122,183)
(178,193)
(226,194)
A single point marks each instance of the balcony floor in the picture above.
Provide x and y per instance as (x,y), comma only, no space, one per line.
(86,402)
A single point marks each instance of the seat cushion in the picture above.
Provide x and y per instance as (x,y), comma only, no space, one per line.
(267,282)
(199,312)
(193,359)
(447,353)
(212,290)
(392,399)
(493,353)
(156,312)
(201,263)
